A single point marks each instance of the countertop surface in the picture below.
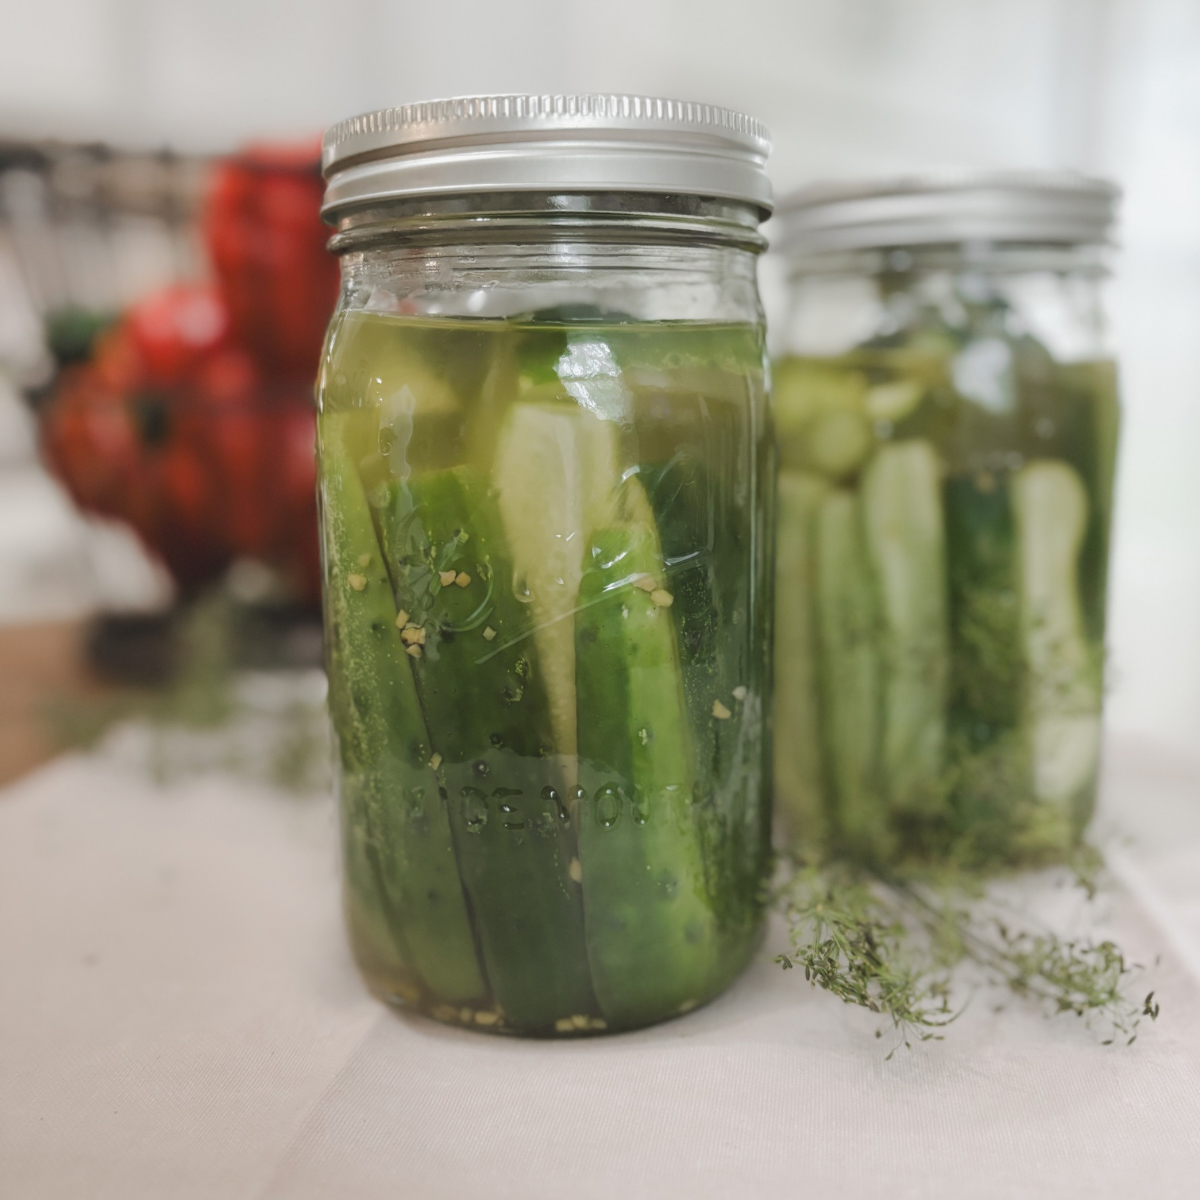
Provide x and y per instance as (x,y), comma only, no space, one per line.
(179,1017)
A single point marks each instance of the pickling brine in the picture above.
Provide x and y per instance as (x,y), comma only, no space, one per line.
(945,502)
(546,583)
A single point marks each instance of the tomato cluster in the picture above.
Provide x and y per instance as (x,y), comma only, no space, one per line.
(192,418)
(267,244)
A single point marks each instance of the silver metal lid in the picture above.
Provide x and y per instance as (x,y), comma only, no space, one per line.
(939,209)
(546,144)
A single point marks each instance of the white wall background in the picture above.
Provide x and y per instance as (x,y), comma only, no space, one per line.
(847,86)
(872,84)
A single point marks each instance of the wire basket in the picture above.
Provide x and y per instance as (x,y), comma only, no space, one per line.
(85,230)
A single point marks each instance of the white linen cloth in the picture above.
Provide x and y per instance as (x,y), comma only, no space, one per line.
(179,1017)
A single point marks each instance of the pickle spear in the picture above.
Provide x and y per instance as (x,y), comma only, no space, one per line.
(383,741)
(850,672)
(556,478)
(484,697)
(650,931)
(905,536)
(375,927)
(1051,511)
(708,582)
(798,784)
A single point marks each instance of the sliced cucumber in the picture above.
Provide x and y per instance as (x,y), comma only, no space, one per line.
(820,418)
(905,537)
(376,930)
(850,673)
(556,478)
(895,400)
(803,389)
(798,771)
(388,786)
(836,444)
(1051,509)
(497,390)
(484,696)
(710,585)
(651,934)
(394,370)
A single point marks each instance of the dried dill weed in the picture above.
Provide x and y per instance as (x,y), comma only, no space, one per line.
(914,948)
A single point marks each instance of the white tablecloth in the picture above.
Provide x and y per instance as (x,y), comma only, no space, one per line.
(179,1017)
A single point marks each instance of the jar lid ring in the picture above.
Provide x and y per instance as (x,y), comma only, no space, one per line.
(546,143)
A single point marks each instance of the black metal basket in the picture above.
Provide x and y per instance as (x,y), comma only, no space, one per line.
(85,229)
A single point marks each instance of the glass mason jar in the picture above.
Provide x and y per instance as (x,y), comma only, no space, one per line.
(947,418)
(546,487)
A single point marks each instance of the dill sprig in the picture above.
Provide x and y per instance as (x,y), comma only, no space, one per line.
(893,945)
(851,940)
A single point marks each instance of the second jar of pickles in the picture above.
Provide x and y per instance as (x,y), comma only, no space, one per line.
(546,486)
(947,419)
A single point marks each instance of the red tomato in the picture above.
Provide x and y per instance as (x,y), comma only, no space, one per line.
(185,533)
(296,538)
(265,237)
(92,441)
(174,330)
(193,421)
(228,396)
(296,440)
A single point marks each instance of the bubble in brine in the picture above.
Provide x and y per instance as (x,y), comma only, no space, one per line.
(608,806)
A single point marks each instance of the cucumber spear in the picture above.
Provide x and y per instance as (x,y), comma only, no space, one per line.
(1051,510)
(556,478)
(798,783)
(906,542)
(850,675)
(479,677)
(390,791)
(651,934)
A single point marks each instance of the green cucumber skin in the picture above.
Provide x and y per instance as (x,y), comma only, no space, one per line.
(989,769)
(651,933)
(799,791)
(708,565)
(850,674)
(1073,415)
(696,549)
(905,537)
(986,660)
(1063,692)
(387,787)
(1094,561)
(489,719)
